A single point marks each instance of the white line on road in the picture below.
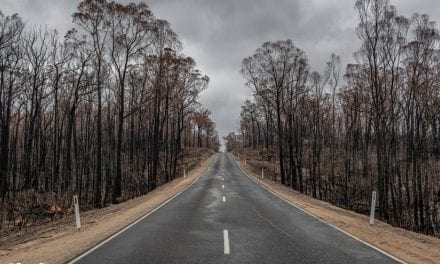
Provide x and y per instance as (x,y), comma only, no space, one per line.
(322,220)
(223,179)
(224,199)
(223,186)
(76,259)
(226,241)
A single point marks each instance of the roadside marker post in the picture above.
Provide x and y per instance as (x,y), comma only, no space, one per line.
(373,207)
(184,173)
(77,218)
(262,173)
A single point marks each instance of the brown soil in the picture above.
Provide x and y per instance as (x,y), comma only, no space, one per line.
(59,241)
(408,246)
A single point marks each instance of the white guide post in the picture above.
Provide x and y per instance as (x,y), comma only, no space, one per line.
(373,207)
(262,173)
(184,173)
(76,205)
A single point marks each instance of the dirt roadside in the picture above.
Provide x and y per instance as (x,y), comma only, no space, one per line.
(405,245)
(60,242)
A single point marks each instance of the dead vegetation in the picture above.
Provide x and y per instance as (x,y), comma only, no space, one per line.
(47,242)
(338,140)
(408,246)
(30,210)
(105,120)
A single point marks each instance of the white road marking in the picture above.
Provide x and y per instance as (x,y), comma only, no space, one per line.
(224,199)
(226,241)
(322,220)
(76,259)
(223,179)
(223,186)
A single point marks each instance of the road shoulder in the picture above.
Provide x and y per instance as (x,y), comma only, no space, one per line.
(405,245)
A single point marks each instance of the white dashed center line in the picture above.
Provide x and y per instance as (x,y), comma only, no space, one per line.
(224,199)
(226,241)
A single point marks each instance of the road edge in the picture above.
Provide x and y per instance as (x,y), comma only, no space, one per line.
(317,217)
(117,233)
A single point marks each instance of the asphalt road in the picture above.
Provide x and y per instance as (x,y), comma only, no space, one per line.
(248,225)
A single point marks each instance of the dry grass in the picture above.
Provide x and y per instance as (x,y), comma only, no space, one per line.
(60,241)
(408,246)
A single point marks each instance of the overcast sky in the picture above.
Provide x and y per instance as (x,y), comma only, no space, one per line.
(218,34)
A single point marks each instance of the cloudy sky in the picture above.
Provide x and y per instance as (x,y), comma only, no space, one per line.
(218,34)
